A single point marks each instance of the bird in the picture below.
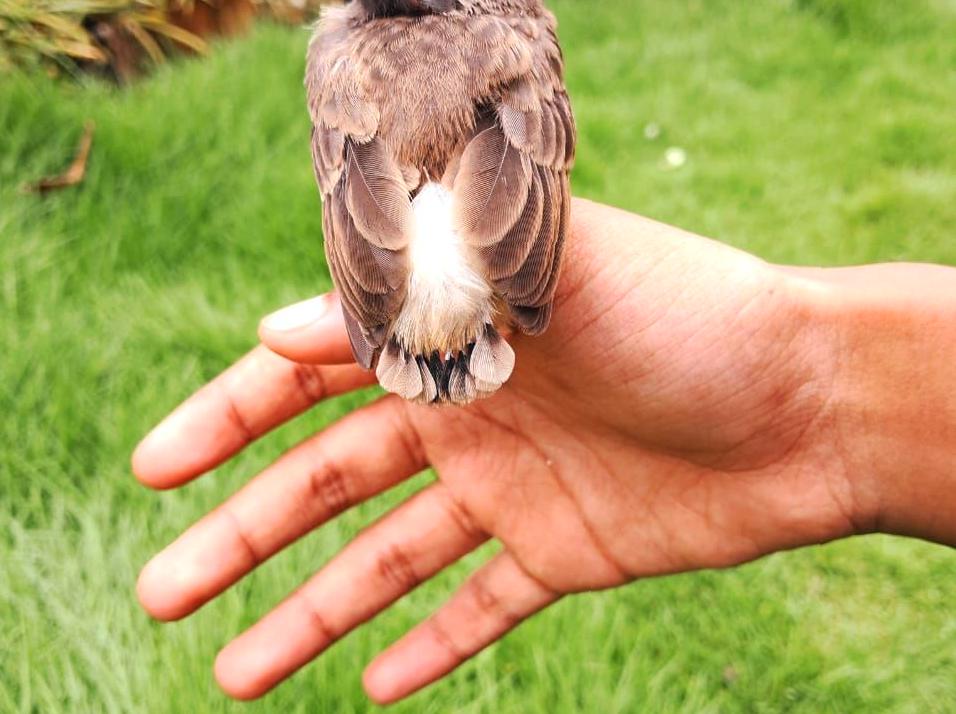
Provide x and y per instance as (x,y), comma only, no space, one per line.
(443,140)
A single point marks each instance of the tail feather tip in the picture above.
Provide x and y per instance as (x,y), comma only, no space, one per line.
(458,377)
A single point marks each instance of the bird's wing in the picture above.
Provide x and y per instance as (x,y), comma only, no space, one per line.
(511,184)
(366,207)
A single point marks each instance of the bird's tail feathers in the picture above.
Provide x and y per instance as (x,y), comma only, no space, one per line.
(460,377)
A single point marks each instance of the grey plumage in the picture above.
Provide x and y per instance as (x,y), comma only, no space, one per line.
(470,94)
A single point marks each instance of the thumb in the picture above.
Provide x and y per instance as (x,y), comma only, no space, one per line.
(311,331)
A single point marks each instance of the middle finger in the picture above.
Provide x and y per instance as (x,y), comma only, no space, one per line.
(360,456)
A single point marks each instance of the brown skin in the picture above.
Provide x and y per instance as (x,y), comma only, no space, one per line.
(691,407)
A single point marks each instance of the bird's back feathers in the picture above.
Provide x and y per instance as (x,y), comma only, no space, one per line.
(442,146)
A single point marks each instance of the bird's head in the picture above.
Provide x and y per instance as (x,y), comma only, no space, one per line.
(393,8)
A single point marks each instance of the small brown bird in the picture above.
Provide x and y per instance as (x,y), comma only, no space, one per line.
(442,142)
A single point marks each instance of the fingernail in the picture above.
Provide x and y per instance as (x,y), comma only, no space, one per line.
(297,316)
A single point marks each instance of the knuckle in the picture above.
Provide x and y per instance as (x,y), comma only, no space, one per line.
(243,539)
(488,604)
(237,419)
(311,382)
(445,640)
(317,621)
(395,568)
(329,486)
(458,512)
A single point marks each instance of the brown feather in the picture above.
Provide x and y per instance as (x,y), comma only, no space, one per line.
(363,348)
(327,156)
(534,319)
(492,359)
(556,159)
(362,271)
(461,385)
(475,98)
(376,195)
(519,288)
(514,124)
(491,188)
(429,386)
(570,132)
(536,296)
(505,258)
(546,146)
(398,372)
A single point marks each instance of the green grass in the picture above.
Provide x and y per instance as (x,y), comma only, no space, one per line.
(817,132)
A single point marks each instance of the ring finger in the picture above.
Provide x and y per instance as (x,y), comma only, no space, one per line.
(408,546)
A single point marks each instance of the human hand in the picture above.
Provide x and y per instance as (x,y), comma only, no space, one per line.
(677,415)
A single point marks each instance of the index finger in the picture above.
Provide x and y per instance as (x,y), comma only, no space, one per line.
(258,393)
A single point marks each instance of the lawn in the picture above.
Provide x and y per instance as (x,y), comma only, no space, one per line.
(815,132)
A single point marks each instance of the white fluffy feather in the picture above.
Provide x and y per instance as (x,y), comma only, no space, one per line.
(448,299)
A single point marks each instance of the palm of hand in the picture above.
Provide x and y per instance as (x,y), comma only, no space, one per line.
(667,421)
(670,419)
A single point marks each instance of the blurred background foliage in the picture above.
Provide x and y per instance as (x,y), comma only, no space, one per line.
(119,34)
(806,131)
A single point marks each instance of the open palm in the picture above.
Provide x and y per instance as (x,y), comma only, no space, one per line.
(674,417)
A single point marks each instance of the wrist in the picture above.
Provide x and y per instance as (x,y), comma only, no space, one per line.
(893,330)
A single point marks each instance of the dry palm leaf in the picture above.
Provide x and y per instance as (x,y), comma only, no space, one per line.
(76,171)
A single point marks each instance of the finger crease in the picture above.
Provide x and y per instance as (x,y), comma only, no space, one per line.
(546,590)
(395,568)
(328,485)
(311,382)
(252,553)
(238,421)
(317,621)
(490,604)
(445,641)
(411,440)
(459,513)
